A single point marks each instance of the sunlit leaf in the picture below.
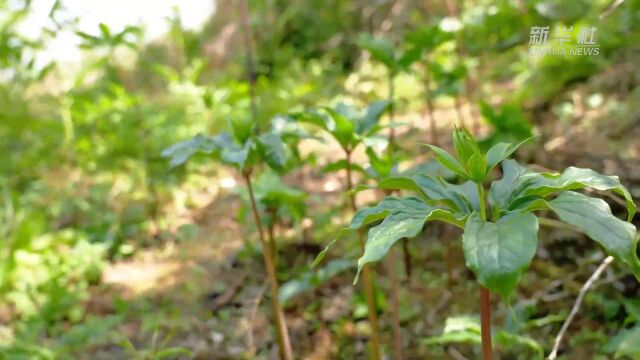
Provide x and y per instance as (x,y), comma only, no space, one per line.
(406,222)
(594,217)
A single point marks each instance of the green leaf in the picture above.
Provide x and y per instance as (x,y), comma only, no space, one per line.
(372,115)
(239,156)
(381,166)
(462,198)
(498,253)
(172,352)
(501,151)
(311,280)
(574,178)
(477,166)
(520,184)
(504,191)
(180,152)
(458,329)
(370,214)
(312,117)
(324,252)
(405,222)
(379,48)
(448,161)
(594,217)
(401,183)
(342,129)
(342,165)
(104,29)
(242,128)
(272,150)
(625,343)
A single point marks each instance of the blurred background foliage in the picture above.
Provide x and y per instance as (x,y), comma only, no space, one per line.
(83,185)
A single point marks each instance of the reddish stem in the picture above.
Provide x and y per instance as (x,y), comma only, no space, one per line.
(485,323)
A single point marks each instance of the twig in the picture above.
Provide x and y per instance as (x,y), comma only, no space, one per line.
(229,294)
(611,9)
(596,274)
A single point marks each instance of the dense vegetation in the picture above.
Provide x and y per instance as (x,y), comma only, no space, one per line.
(166,199)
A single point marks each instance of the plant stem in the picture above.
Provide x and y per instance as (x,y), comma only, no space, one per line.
(485,296)
(395,293)
(392,110)
(282,334)
(366,275)
(251,73)
(395,306)
(429,102)
(408,265)
(485,322)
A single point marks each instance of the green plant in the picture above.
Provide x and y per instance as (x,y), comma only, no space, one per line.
(350,128)
(395,61)
(625,342)
(244,150)
(277,203)
(498,243)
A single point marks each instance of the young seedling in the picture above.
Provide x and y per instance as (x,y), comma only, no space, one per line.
(350,127)
(499,241)
(244,150)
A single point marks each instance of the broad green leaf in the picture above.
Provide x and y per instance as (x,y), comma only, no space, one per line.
(460,198)
(520,184)
(448,161)
(370,214)
(372,115)
(503,191)
(501,151)
(594,217)
(401,223)
(272,150)
(498,253)
(179,153)
(402,183)
(239,156)
(574,178)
